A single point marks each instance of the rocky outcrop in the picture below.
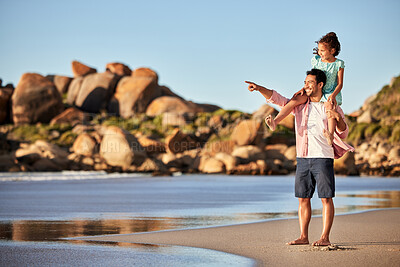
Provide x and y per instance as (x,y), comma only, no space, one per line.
(79,69)
(175,135)
(135,93)
(35,99)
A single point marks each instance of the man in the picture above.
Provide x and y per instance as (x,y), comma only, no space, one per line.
(314,155)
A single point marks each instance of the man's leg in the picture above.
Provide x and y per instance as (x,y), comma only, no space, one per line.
(328,213)
(304,221)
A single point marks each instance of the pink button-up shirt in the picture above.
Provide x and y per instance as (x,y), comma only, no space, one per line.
(301,117)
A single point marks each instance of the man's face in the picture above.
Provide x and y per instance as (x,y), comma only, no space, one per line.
(310,85)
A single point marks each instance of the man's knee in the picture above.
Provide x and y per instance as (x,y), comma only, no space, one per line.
(326,201)
(304,201)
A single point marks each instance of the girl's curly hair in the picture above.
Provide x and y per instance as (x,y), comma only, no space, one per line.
(331,40)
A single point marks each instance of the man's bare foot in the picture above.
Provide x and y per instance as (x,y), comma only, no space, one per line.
(270,122)
(299,241)
(321,243)
(328,136)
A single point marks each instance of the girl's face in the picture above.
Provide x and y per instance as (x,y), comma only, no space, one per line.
(325,52)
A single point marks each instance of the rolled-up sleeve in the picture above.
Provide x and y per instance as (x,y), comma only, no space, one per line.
(277,99)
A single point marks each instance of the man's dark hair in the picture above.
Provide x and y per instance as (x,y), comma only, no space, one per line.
(319,74)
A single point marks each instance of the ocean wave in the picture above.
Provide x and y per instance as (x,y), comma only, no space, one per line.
(65,175)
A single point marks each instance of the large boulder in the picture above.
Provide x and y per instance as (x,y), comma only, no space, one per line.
(291,153)
(96,91)
(178,142)
(61,82)
(5,97)
(247,154)
(35,99)
(135,93)
(229,161)
(212,165)
(177,105)
(118,69)
(394,155)
(247,132)
(43,156)
(79,69)
(120,148)
(73,89)
(169,104)
(84,145)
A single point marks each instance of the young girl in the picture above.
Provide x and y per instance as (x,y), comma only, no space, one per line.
(325,60)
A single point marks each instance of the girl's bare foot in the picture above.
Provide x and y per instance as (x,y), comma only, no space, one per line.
(270,122)
(328,136)
(299,241)
(322,243)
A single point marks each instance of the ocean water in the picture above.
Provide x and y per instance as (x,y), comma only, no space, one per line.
(38,211)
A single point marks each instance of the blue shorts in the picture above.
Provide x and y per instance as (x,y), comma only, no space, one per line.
(311,172)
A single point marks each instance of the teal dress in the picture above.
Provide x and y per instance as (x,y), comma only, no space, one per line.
(331,70)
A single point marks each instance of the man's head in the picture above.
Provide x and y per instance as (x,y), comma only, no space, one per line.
(314,82)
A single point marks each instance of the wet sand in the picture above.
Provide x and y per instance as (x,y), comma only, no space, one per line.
(365,239)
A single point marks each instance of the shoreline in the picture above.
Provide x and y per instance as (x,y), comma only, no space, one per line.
(367,238)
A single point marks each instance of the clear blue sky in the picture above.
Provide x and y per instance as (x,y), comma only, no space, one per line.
(204,50)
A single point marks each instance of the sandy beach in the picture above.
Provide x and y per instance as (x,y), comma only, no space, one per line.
(365,239)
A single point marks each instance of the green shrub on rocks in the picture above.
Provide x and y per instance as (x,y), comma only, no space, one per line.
(383,133)
(202,119)
(67,139)
(356,132)
(395,137)
(370,130)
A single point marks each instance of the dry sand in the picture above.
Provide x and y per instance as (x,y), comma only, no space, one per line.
(364,239)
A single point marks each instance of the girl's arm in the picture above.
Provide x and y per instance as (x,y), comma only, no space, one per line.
(332,97)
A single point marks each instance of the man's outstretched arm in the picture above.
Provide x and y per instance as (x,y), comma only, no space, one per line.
(267,93)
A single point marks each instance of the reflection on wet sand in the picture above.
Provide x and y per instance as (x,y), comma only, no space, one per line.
(39,230)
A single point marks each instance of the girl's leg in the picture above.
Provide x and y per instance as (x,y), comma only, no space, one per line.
(295,101)
(331,124)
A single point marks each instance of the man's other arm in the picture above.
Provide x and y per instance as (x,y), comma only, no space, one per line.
(341,127)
